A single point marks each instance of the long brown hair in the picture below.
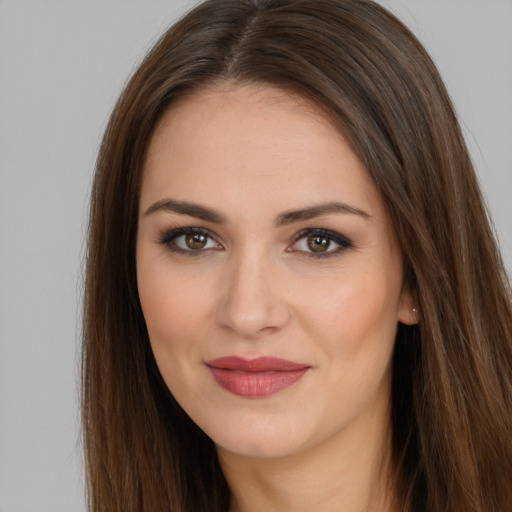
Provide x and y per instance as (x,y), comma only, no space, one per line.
(452,381)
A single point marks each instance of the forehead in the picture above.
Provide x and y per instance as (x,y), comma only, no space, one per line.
(206,117)
(233,143)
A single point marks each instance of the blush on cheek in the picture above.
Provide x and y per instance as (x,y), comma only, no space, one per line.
(164,323)
(174,319)
(354,310)
(164,304)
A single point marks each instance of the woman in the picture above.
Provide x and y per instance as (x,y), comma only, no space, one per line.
(294,300)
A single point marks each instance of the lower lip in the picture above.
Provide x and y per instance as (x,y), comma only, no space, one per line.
(256,384)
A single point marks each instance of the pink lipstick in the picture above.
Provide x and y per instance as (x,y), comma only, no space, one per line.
(255,378)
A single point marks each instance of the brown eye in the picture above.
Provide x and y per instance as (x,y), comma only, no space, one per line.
(196,241)
(318,243)
(189,240)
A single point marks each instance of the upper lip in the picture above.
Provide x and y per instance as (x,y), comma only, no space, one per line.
(259,364)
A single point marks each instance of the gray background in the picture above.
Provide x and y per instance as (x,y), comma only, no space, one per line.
(62,64)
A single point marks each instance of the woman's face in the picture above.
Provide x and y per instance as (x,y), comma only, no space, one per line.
(269,275)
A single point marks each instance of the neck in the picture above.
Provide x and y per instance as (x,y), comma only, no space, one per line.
(348,471)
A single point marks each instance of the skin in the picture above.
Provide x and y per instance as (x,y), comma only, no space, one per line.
(251,153)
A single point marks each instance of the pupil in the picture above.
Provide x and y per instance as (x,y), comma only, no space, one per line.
(318,243)
(196,241)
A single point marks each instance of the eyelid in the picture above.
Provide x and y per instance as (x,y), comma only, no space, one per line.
(342,241)
(167,236)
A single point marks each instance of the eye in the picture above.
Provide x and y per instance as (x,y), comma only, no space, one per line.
(189,240)
(320,242)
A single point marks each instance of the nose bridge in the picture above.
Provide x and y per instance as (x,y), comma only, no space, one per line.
(252,302)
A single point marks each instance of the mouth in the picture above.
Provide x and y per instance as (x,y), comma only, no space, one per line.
(255,378)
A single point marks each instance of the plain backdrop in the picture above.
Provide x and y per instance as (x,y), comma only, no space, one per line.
(62,64)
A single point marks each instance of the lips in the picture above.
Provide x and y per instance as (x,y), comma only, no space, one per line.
(255,378)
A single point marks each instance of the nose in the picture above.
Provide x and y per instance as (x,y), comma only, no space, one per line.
(253,301)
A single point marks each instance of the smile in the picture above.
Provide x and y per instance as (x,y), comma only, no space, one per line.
(255,378)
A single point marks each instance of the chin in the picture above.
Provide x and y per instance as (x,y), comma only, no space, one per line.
(258,446)
(254,437)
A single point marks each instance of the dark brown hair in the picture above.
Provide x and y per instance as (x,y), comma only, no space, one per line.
(452,380)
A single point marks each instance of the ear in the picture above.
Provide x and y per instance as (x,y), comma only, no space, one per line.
(407,308)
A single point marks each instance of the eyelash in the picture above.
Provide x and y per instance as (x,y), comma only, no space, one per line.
(332,236)
(168,237)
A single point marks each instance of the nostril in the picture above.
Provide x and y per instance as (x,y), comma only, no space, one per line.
(252,313)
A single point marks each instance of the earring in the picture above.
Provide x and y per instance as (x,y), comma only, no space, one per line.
(414,310)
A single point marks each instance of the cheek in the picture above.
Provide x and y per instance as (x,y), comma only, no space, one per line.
(355,318)
(174,309)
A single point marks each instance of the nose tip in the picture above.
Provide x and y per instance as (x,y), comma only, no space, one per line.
(253,304)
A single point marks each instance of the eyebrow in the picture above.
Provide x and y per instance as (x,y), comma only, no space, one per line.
(186,208)
(311,212)
(283,219)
